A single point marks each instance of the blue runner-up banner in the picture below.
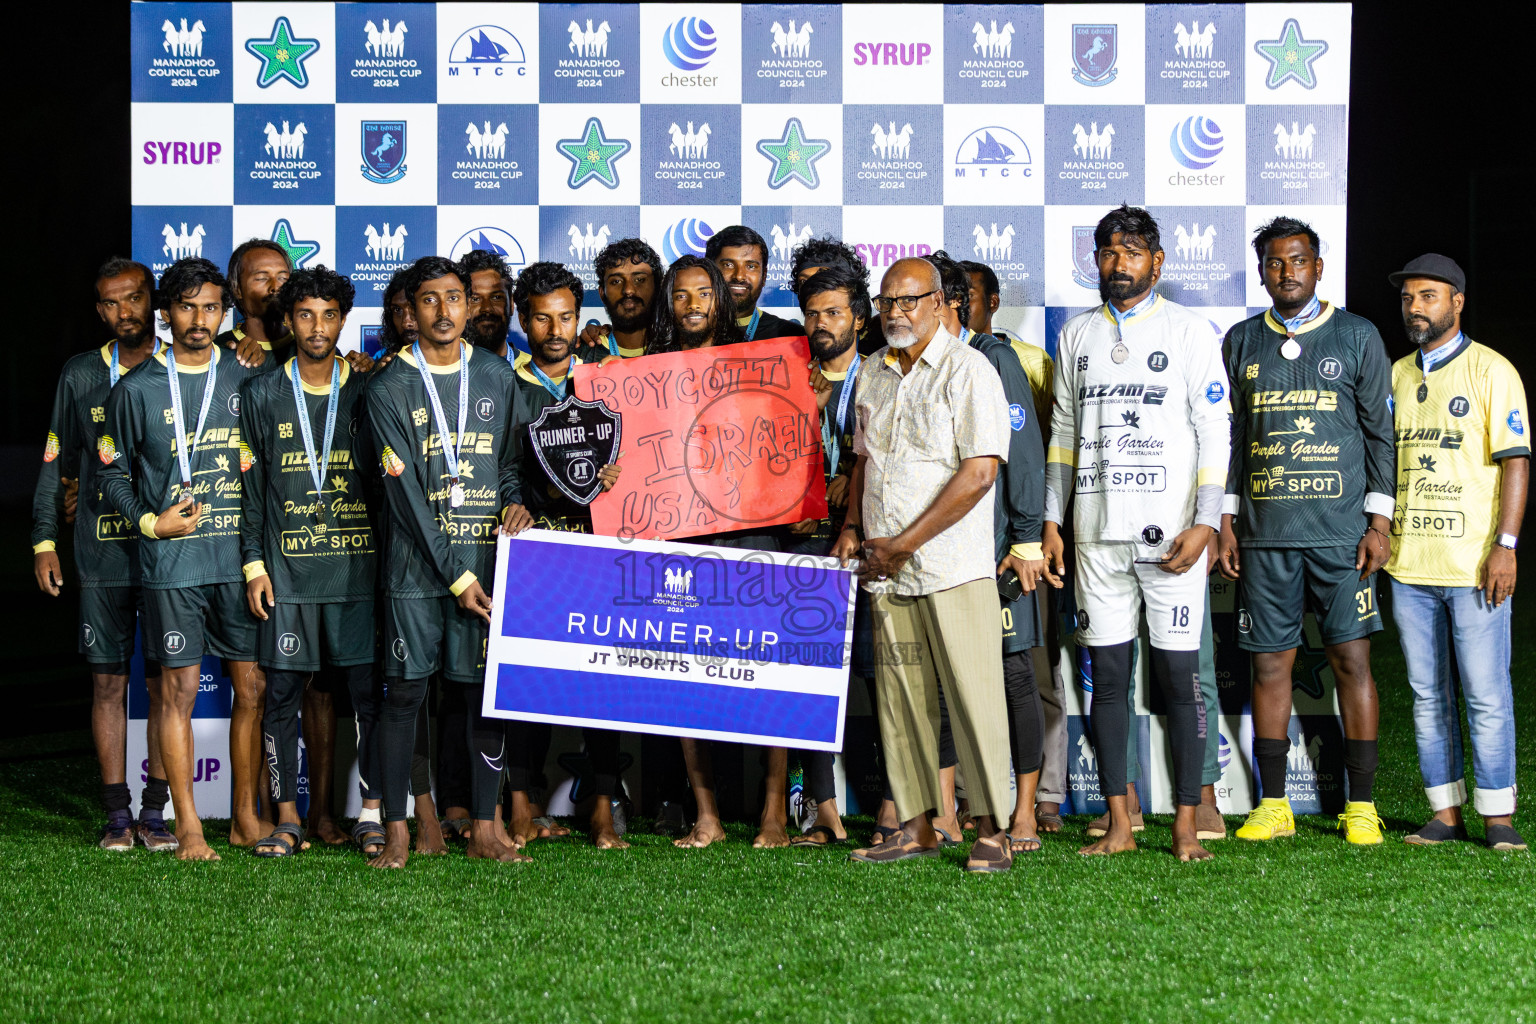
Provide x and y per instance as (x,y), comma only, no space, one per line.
(670,638)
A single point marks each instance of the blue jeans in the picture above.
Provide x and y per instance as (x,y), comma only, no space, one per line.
(1434,623)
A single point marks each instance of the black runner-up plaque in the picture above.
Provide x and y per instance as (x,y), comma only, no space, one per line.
(572,441)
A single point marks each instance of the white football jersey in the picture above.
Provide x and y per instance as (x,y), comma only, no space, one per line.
(1142,434)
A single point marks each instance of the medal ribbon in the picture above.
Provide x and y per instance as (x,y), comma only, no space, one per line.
(450,447)
(183,457)
(1308,312)
(751,330)
(115,369)
(317,470)
(558,390)
(832,440)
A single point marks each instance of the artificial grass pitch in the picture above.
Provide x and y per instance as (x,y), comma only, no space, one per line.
(1299,929)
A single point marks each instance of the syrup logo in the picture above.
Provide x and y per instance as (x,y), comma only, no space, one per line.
(992,152)
(688,237)
(891,54)
(1094,52)
(689,43)
(586,245)
(786,238)
(490,239)
(486,51)
(383,151)
(1196,142)
(883,254)
(169,153)
(182,244)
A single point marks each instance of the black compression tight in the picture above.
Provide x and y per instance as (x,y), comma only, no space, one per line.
(487,760)
(280,727)
(397,742)
(1026,715)
(1177,673)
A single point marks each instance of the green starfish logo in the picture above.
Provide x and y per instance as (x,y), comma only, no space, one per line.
(794,156)
(282,56)
(593,156)
(1290,56)
(299,252)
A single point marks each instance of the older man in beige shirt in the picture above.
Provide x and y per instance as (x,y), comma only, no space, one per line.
(932,428)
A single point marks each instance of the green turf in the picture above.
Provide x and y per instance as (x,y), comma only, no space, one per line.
(1304,929)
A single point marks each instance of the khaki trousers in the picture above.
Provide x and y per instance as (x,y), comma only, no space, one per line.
(955,638)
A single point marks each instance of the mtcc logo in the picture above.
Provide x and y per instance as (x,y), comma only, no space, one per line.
(687,237)
(994,244)
(794,43)
(591,42)
(489,239)
(689,43)
(180,245)
(995,149)
(488,51)
(993,43)
(1196,142)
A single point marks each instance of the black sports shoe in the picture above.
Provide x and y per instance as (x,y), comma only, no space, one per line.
(155,836)
(671,819)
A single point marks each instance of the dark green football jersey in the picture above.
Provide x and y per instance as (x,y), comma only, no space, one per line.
(106,544)
(316,548)
(277,354)
(1312,443)
(431,545)
(141,477)
(550,507)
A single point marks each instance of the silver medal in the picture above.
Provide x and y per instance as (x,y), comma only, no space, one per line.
(1291,349)
(1120,353)
(456,494)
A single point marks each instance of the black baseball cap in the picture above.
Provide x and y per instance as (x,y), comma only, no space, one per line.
(1435,266)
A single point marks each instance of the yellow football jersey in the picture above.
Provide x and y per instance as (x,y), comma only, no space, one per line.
(1040,371)
(1448,447)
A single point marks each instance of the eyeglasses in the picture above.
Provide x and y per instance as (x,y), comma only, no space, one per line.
(905,303)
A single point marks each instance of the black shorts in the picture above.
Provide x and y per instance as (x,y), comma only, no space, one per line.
(423,635)
(1278,585)
(182,625)
(108,617)
(303,637)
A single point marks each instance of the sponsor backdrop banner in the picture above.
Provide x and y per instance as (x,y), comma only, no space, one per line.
(365,135)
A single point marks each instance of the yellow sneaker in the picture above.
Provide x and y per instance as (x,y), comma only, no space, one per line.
(1272,819)
(1360,824)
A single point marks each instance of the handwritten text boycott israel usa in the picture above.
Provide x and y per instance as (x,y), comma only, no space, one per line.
(715,439)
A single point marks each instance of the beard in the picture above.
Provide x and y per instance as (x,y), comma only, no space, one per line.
(629,324)
(1119,287)
(694,339)
(825,345)
(132,335)
(488,331)
(551,350)
(899,335)
(1422,330)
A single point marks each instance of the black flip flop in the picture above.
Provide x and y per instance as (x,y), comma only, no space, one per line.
(285,840)
(804,839)
(945,839)
(366,834)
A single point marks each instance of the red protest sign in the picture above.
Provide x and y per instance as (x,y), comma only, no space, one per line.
(715,439)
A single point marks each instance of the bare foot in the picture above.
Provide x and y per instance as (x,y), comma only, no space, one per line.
(1110,842)
(1186,845)
(605,838)
(770,836)
(397,846)
(429,835)
(325,830)
(245,831)
(704,832)
(488,842)
(193,847)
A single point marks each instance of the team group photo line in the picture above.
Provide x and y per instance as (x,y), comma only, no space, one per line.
(892,489)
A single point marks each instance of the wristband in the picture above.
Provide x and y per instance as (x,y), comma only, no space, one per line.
(858,530)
